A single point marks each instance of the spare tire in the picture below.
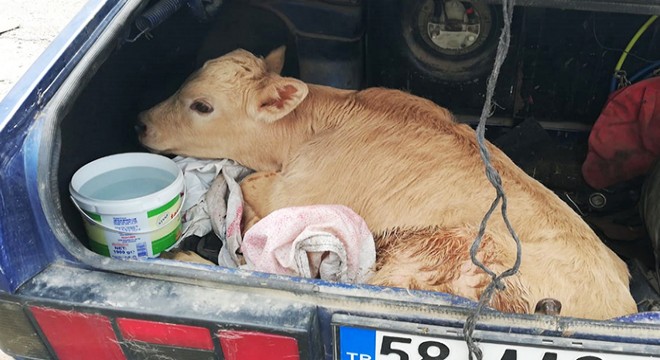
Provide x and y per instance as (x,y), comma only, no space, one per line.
(455,41)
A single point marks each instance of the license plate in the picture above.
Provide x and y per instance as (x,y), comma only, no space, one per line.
(357,343)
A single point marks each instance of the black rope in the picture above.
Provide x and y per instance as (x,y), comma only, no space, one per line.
(495,179)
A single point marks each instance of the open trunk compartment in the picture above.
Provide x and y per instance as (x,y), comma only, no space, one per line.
(350,44)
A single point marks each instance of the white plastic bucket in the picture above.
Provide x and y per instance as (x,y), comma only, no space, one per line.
(131,204)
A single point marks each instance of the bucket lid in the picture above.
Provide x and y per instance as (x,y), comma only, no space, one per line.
(127,206)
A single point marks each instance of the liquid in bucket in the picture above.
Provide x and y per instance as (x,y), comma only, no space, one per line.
(130,203)
(127,183)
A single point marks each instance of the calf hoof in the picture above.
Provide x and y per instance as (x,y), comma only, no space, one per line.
(548,306)
(185,256)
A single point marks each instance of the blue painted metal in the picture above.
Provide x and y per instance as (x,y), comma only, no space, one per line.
(650,317)
(25,249)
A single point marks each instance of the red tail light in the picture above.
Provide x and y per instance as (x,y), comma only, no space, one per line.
(249,345)
(165,334)
(78,335)
(74,335)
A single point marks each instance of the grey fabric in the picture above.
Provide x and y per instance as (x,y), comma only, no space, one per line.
(650,209)
(214,203)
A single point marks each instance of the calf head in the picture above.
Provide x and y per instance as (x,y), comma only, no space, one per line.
(227,109)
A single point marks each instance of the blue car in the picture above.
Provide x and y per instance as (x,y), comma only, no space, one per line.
(80,101)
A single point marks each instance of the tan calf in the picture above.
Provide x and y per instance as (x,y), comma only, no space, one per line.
(406,167)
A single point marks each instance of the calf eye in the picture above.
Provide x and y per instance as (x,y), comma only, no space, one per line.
(201,107)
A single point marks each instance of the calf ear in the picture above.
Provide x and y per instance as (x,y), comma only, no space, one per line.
(276,100)
(275,60)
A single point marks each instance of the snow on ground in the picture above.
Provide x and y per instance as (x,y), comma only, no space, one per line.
(26,29)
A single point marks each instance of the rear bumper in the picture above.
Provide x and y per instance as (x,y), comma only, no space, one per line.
(312,319)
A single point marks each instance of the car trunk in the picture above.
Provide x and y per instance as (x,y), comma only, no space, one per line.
(353,45)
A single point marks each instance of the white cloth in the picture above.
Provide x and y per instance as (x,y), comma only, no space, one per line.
(327,241)
(212,201)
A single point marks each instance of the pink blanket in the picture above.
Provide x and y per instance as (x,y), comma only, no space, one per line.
(327,241)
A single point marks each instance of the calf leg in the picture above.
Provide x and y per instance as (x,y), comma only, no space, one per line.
(437,259)
(256,189)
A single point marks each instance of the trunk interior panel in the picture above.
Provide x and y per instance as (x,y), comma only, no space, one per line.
(553,87)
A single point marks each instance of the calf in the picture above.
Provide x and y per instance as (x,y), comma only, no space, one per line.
(404,165)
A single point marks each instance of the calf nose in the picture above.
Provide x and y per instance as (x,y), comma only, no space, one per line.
(140,127)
